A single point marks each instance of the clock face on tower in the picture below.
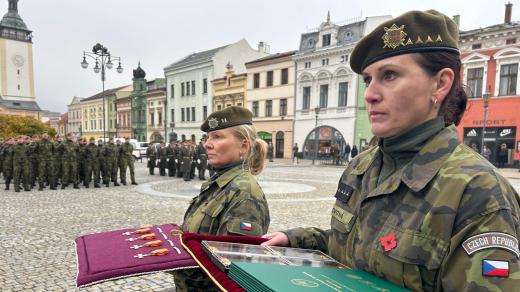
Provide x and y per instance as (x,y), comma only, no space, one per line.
(18,60)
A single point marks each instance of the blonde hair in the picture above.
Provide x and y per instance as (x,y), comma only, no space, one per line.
(254,158)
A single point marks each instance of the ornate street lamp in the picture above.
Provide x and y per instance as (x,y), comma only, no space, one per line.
(486,97)
(316,134)
(103,59)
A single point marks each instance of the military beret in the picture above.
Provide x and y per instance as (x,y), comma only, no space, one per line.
(228,117)
(411,32)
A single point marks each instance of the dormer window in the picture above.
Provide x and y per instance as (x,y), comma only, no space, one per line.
(348,36)
(325,40)
(311,43)
(476,46)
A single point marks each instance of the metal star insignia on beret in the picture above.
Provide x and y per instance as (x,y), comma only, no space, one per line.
(213,123)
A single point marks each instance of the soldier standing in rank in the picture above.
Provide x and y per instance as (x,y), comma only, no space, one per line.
(109,154)
(127,159)
(33,162)
(150,155)
(163,159)
(170,152)
(70,154)
(7,154)
(20,165)
(117,160)
(58,154)
(187,157)
(194,162)
(102,175)
(82,144)
(92,163)
(202,159)
(45,152)
(2,145)
(270,151)
(178,158)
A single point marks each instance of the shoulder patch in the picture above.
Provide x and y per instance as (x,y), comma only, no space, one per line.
(491,240)
(344,192)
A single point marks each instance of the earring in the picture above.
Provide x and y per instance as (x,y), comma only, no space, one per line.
(435,106)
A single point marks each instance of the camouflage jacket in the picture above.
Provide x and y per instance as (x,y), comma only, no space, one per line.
(424,226)
(92,153)
(45,149)
(69,150)
(127,151)
(230,204)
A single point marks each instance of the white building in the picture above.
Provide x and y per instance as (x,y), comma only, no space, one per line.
(188,83)
(74,116)
(325,81)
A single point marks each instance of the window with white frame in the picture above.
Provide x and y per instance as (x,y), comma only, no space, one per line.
(324,95)
(342,93)
(508,77)
(306,97)
(474,81)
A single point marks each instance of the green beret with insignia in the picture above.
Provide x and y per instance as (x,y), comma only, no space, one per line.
(412,32)
(228,117)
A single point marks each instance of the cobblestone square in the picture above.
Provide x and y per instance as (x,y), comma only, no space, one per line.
(38,228)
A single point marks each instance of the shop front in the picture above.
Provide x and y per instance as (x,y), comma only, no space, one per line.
(501,135)
(322,138)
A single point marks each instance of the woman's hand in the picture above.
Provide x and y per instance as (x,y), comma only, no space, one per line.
(276,239)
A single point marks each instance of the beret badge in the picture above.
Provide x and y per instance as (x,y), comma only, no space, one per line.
(394,36)
(213,123)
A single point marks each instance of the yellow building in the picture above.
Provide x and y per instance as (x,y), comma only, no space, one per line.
(92,114)
(229,90)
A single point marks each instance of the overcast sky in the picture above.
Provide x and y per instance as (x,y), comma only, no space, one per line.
(159,32)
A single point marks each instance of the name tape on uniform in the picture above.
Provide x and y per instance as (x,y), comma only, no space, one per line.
(491,240)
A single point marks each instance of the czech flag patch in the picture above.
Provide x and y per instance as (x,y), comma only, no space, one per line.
(495,268)
(245,226)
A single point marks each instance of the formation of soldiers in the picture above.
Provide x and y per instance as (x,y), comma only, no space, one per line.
(179,158)
(25,161)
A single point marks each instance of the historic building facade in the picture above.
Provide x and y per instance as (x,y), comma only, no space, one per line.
(270,97)
(17,95)
(326,87)
(229,90)
(124,114)
(491,59)
(189,88)
(92,124)
(156,103)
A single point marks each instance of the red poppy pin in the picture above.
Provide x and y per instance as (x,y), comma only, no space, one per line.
(388,242)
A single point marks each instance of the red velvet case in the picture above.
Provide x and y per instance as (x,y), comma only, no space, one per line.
(107,255)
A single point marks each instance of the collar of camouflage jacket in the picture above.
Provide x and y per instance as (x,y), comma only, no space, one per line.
(229,175)
(425,165)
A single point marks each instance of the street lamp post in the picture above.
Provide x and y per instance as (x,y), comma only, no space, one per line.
(316,134)
(486,99)
(103,60)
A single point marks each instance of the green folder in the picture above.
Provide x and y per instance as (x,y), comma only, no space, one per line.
(266,277)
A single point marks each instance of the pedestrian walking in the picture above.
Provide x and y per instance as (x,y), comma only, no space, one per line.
(295,153)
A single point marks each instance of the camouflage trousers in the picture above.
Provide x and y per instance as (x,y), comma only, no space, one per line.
(123,165)
(110,171)
(21,174)
(69,172)
(92,170)
(193,280)
(46,172)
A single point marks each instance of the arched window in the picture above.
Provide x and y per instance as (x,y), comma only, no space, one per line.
(183,137)
(193,138)
(326,138)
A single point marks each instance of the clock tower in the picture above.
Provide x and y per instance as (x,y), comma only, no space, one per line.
(17,95)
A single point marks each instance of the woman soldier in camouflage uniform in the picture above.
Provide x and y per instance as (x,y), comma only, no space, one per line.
(231,202)
(420,209)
